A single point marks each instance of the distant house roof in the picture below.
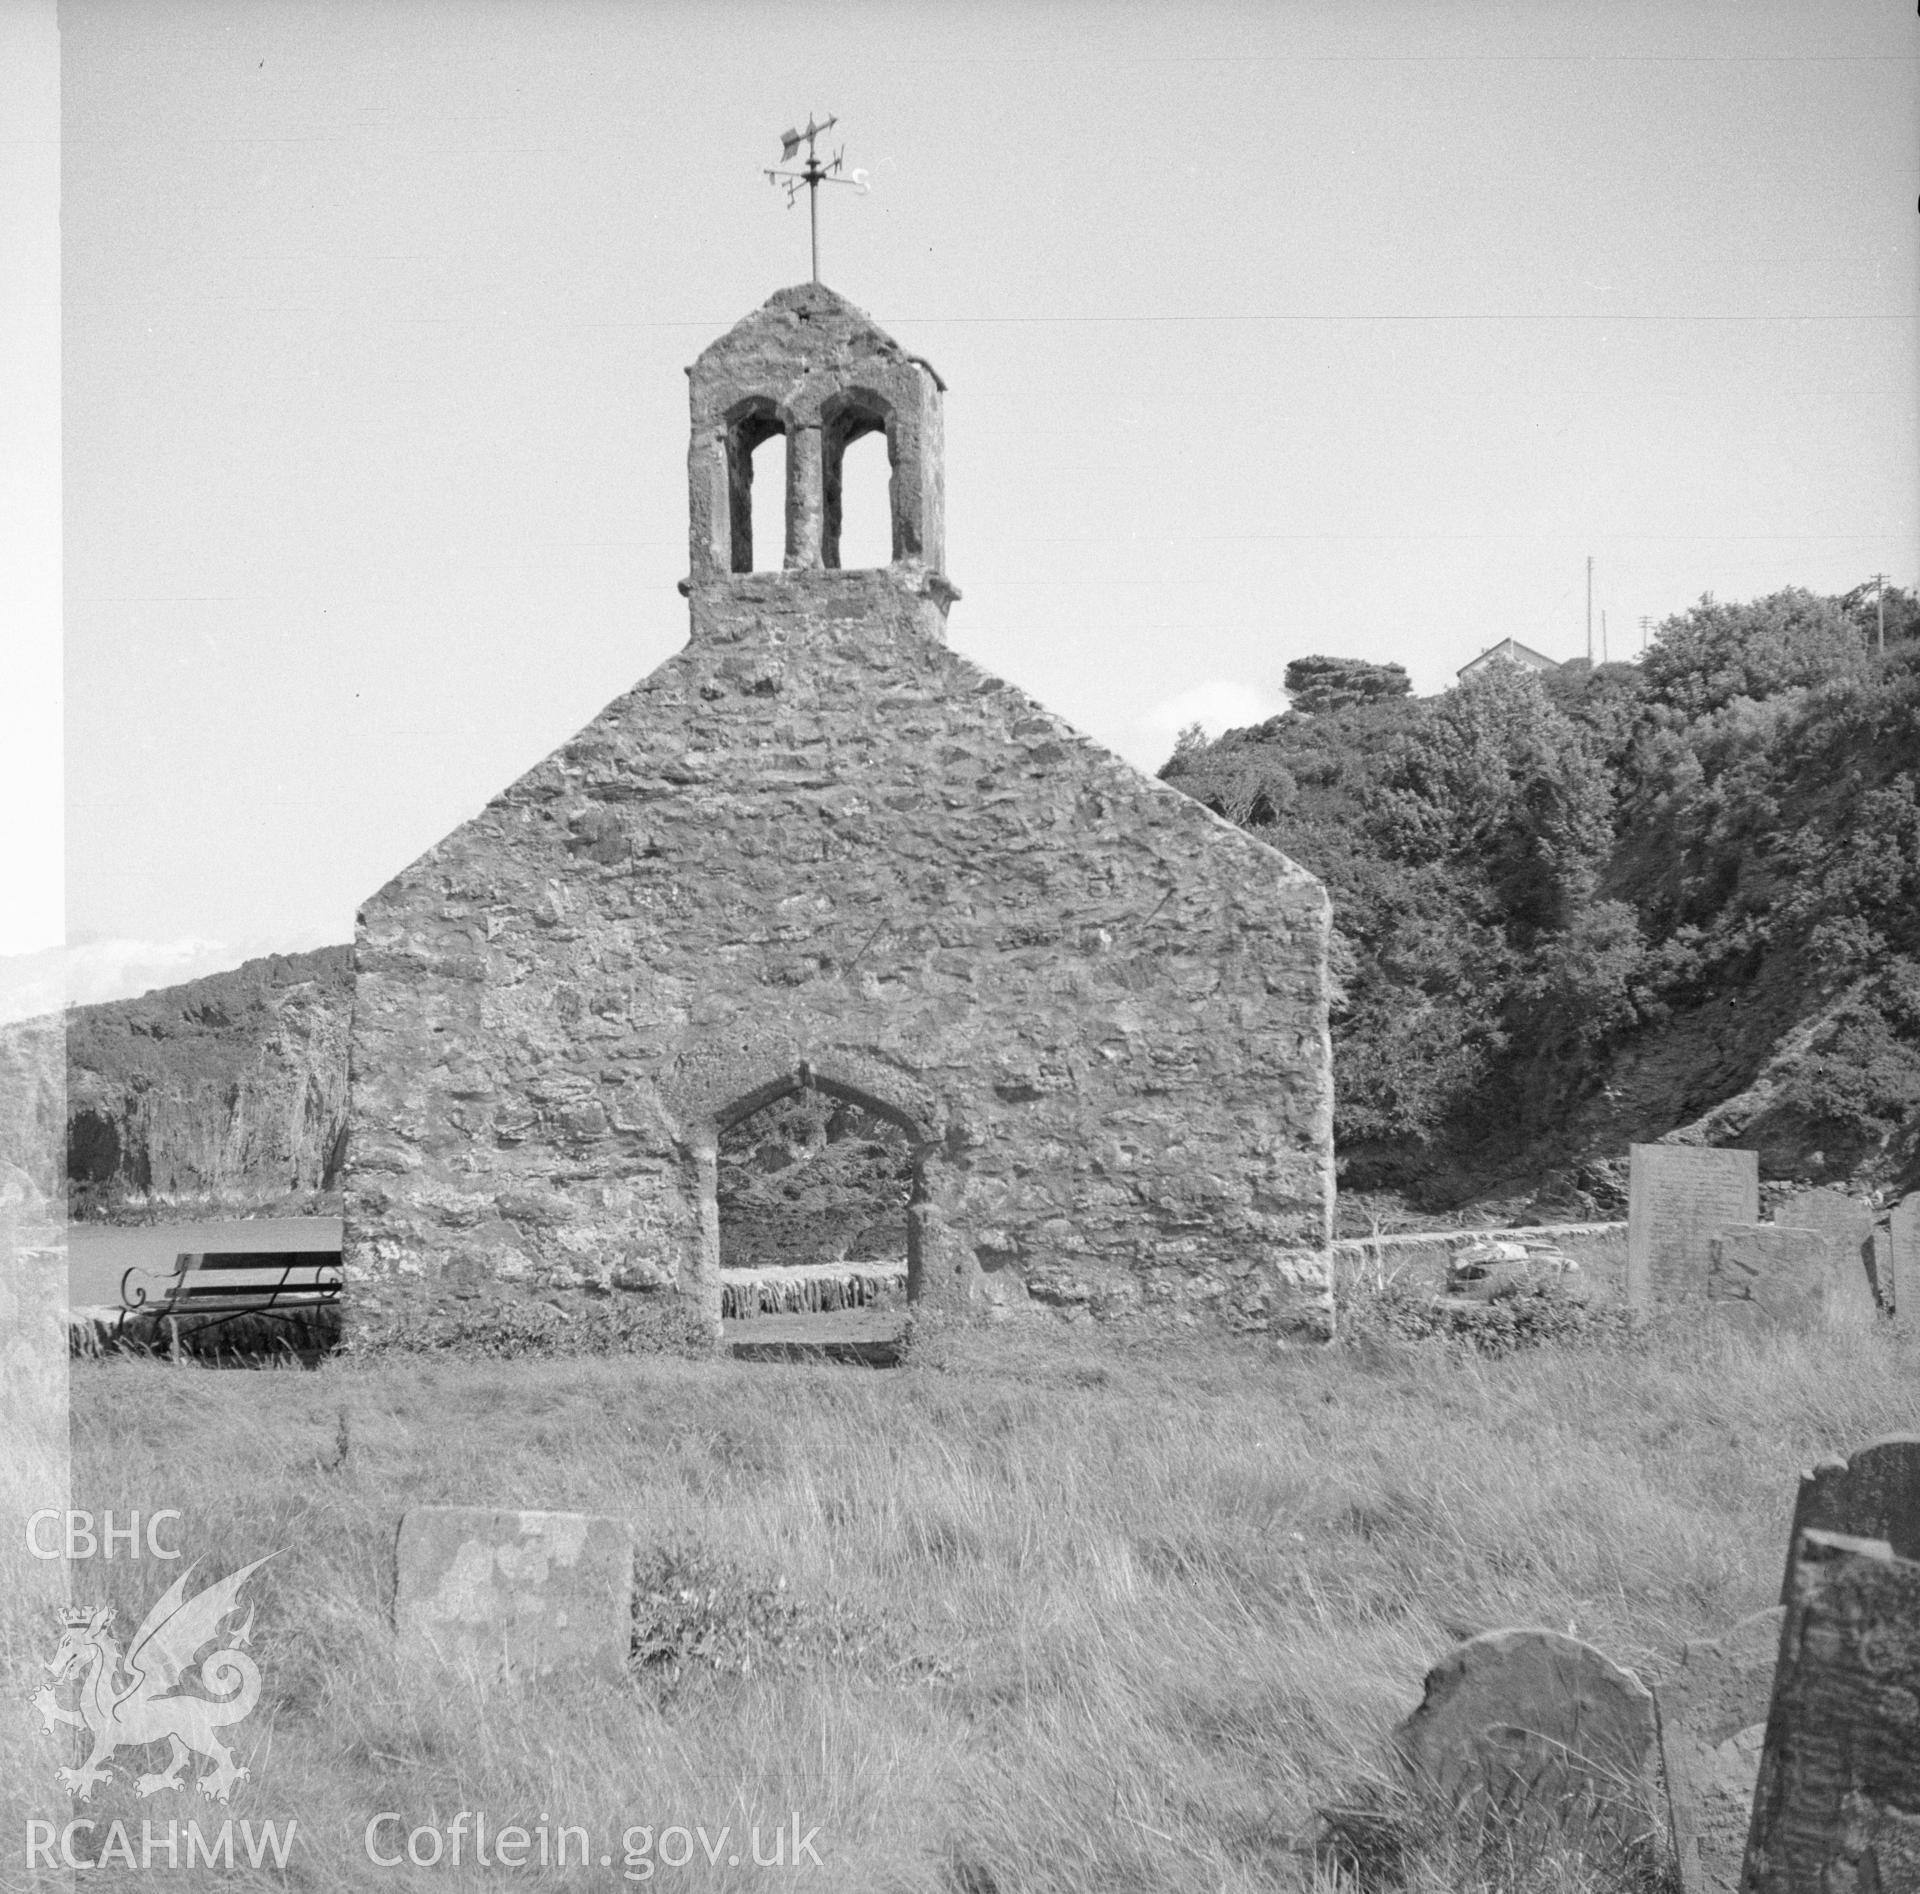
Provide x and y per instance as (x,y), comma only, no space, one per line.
(1508,651)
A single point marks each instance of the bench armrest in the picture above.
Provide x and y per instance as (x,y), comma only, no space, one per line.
(135,1296)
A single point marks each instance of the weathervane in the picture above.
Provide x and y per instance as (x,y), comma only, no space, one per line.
(812,174)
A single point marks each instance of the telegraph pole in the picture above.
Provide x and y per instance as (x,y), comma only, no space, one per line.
(1880,607)
(1589,611)
(1646,624)
(813,173)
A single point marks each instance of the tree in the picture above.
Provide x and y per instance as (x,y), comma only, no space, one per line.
(1316,685)
(1706,657)
(1876,606)
(1498,781)
(1190,744)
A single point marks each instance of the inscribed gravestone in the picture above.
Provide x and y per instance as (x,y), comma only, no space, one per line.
(529,1592)
(1677,1196)
(1838,1801)
(1873,1495)
(1903,1256)
(1791,1278)
(1531,1728)
(1713,1717)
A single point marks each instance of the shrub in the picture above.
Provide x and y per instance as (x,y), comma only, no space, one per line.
(697,1614)
(1523,1315)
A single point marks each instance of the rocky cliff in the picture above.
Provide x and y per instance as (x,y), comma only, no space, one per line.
(227,1094)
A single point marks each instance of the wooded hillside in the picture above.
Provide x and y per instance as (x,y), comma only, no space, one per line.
(1604,904)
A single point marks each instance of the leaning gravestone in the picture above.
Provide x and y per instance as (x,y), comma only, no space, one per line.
(1837,1807)
(1533,1729)
(1874,1495)
(1824,1209)
(1678,1195)
(1789,1278)
(1903,1257)
(529,1593)
(1834,1211)
(1713,1719)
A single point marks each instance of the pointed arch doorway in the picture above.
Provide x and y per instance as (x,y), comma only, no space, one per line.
(817,1213)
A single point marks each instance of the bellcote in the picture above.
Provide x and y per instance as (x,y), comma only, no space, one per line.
(811,367)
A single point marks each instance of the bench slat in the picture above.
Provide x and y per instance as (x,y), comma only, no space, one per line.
(219,1260)
(251,1278)
(245,1294)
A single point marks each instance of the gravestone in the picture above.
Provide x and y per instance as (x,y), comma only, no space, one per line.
(1533,1729)
(1837,1806)
(531,1593)
(1775,1276)
(1850,1218)
(1874,1495)
(1712,1715)
(1903,1256)
(1824,1209)
(1678,1195)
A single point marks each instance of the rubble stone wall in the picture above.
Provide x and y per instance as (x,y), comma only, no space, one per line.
(818,837)
(819,849)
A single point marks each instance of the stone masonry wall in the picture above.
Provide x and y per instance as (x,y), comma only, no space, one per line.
(818,846)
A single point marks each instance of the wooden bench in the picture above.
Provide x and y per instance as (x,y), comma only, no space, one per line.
(214,1287)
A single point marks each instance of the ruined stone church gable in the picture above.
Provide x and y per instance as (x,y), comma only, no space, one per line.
(818,847)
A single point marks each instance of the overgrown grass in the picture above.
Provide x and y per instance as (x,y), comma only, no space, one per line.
(1060,1610)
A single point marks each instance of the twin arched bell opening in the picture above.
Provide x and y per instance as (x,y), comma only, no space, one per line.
(812,372)
(815,468)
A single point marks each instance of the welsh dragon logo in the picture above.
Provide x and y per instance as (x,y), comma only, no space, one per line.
(131,1701)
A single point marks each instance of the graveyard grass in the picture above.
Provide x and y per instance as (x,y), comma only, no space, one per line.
(1060,1610)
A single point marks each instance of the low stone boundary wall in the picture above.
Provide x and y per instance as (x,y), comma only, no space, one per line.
(807,1288)
(1421,1257)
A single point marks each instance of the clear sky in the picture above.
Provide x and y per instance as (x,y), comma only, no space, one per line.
(1345,326)
(30,785)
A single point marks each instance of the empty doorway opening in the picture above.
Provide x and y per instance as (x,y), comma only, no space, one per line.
(814,1191)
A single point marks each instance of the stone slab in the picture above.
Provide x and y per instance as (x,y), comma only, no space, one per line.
(1837,1807)
(531,1593)
(1712,1715)
(1533,1729)
(1903,1256)
(1677,1197)
(1824,1209)
(872,1338)
(1836,1212)
(1776,1276)
(1873,1495)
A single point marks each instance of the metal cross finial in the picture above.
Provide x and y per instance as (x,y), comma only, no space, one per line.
(813,173)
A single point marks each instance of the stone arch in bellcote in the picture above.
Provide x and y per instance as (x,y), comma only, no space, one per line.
(811,364)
